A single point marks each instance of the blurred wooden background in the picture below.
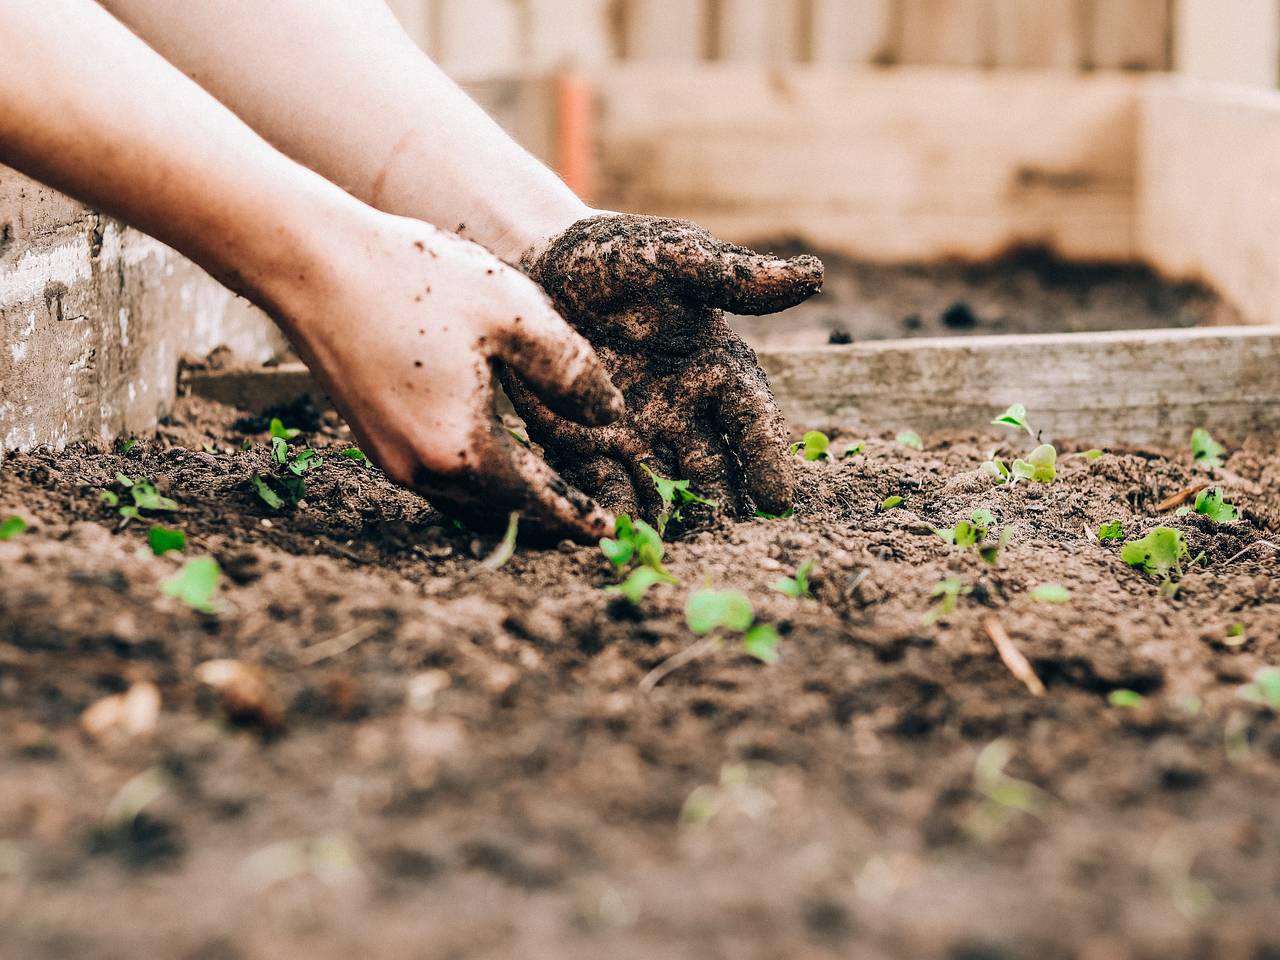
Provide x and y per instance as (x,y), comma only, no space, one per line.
(483,38)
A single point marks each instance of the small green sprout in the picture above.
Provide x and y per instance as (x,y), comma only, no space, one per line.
(1015,416)
(797,586)
(1264,690)
(280,432)
(1002,795)
(147,497)
(973,532)
(1236,636)
(635,539)
(1051,593)
(124,480)
(853,449)
(1160,553)
(265,493)
(996,470)
(1129,699)
(1111,530)
(708,611)
(506,548)
(1093,454)
(1039,467)
(637,584)
(989,551)
(1210,503)
(984,518)
(888,503)
(126,446)
(813,445)
(289,486)
(196,584)
(518,437)
(353,453)
(776,516)
(109,497)
(11,527)
(164,539)
(948,593)
(1205,450)
(909,438)
(675,496)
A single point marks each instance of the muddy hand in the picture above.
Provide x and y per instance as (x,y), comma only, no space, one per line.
(405,335)
(649,294)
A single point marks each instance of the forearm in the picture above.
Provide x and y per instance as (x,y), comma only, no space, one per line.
(337,85)
(88,108)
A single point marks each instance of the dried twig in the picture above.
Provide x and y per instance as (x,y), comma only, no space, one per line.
(1013,659)
(678,660)
(1181,497)
(1253,546)
(334,646)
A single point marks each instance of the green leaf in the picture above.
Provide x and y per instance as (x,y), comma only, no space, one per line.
(123,479)
(1235,635)
(146,497)
(996,471)
(888,503)
(305,460)
(853,449)
(1160,553)
(127,445)
(909,438)
(164,539)
(130,513)
(674,494)
(990,552)
(761,642)
(1111,530)
(1125,698)
(1051,593)
(1093,454)
(983,518)
(280,432)
(1205,450)
(279,450)
(265,493)
(797,586)
(708,610)
(11,527)
(1210,503)
(1015,416)
(1265,688)
(1040,465)
(776,516)
(814,445)
(517,436)
(109,498)
(949,593)
(637,584)
(196,584)
(353,453)
(618,552)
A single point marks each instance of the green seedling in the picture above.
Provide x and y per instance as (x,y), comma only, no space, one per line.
(1210,503)
(888,503)
(996,470)
(776,516)
(265,493)
(144,495)
(506,548)
(1129,699)
(1205,450)
(909,438)
(1039,467)
(11,527)
(1002,795)
(196,584)
(638,584)
(797,586)
(972,533)
(853,449)
(948,593)
(1015,416)
(675,496)
(164,539)
(1093,454)
(1160,553)
(1111,530)
(288,487)
(1264,690)
(1235,636)
(354,453)
(636,540)
(126,446)
(709,612)
(989,551)
(813,445)
(1051,593)
(280,432)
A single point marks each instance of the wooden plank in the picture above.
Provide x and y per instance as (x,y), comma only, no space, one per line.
(1208,208)
(889,165)
(664,31)
(1152,386)
(851,31)
(953,33)
(476,39)
(756,31)
(567,34)
(1044,34)
(1149,386)
(1236,41)
(1129,34)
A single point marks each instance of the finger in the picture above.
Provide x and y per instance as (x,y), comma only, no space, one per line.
(744,282)
(706,464)
(757,433)
(608,482)
(560,367)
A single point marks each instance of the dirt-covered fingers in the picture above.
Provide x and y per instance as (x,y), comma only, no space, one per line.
(607,481)
(742,281)
(757,434)
(707,465)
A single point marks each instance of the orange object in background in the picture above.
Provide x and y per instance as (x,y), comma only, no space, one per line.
(574,149)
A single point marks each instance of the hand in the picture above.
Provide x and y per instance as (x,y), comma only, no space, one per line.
(648,293)
(402,330)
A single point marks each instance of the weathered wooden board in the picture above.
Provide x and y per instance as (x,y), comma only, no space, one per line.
(1138,387)
(665,31)
(851,31)
(1209,207)
(1236,41)
(757,31)
(1129,34)
(952,33)
(1044,34)
(903,164)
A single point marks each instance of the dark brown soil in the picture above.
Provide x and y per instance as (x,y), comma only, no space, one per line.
(1026,291)
(463,766)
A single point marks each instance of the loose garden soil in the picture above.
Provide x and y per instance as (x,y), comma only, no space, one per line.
(452,762)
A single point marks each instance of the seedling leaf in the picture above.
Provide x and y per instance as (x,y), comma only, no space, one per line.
(1040,465)
(948,593)
(637,584)
(1015,416)
(196,584)
(888,503)
(813,445)
(1160,553)
(124,479)
(776,516)
(853,449)
(164,539)
(1111,530)
(11,527)
(1051,593)
(797,586)
(279,450)
(909,438)
(109,498)
(1205,450)
(1264,690)
(1093,454)
(996,470)
(354,453)
(280,432)
(1125,698)
(265,493)
(761,642)
(1210,503)
(146,497)
(674,494)
(708,610)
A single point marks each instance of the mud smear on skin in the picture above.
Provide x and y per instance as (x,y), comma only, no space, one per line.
(480,747)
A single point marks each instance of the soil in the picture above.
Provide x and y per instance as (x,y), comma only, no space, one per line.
(425,758)
(1029,290)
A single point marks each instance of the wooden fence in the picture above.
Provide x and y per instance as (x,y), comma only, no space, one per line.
(483,38)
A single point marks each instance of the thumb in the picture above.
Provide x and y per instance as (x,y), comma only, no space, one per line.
(559,366)
(744,282)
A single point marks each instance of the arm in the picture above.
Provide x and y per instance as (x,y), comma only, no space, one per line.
(339,86)
(400,321)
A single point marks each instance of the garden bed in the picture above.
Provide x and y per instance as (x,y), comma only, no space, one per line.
(451,761)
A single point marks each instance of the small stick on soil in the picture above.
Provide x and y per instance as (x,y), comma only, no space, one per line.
(334,646)
(1181,497)
(1012,656)
(1253,546)
(676,661)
